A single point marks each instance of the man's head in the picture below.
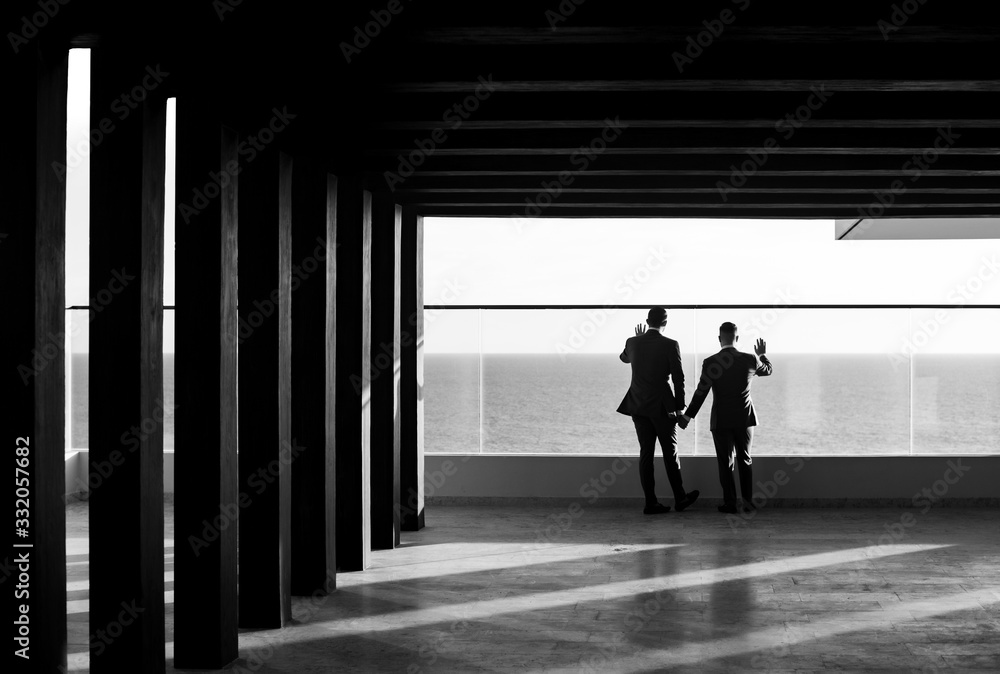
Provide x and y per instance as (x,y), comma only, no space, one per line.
(727,334)
(657,318)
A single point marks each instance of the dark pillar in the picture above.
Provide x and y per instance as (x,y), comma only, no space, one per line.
(205,624)
(385,379)
(32,259)
(266,451)
(126,371)
(314,560)
(411,414)
(353,432)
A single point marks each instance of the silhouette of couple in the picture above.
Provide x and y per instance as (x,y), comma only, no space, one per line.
(657,410)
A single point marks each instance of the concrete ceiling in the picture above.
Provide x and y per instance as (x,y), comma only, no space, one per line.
(569,109)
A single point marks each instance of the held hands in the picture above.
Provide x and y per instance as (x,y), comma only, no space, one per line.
(760,348)
(639,329)
(682,419)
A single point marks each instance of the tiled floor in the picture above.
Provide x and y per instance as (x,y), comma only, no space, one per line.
(612,590)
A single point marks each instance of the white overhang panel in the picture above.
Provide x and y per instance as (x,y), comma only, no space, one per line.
(876,229)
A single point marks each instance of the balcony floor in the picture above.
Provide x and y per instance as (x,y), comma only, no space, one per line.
(539,589)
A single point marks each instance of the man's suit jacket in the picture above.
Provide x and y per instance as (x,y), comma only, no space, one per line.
(727,375)
(655,359)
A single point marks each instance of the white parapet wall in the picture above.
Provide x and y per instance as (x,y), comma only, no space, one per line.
(81,477)
(787,480)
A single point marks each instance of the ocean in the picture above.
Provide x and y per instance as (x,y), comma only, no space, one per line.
(857,404)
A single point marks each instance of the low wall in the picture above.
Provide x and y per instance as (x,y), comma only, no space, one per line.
(821,480)
(81,478)
(793,480)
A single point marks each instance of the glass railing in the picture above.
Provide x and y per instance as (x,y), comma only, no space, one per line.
(849,381)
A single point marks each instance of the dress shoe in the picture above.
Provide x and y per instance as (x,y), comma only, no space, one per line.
(656,509)
(728,508)
(749,507)
(688,499)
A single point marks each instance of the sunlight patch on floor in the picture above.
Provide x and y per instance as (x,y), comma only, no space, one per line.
(778,640)
(483,610)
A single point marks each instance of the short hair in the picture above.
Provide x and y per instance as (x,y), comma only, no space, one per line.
(727,328)
(657,316)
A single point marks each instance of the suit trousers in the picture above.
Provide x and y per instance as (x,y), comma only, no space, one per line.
(648,429)
(732,445)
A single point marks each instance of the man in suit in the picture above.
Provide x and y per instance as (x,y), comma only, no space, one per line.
(728,375)
(653,406)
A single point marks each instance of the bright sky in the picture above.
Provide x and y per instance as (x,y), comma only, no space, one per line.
(78,205)
(675,262)
(645,261)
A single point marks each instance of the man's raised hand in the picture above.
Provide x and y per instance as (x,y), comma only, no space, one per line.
(760,348)
(639,329)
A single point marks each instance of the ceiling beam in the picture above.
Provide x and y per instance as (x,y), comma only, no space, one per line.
(737,152)
(698,85)
(734,199)
(695,163)
(534,124)
(748,109)
(620,137)
(676,211)
(522,36)
(403,194)
(683,181)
